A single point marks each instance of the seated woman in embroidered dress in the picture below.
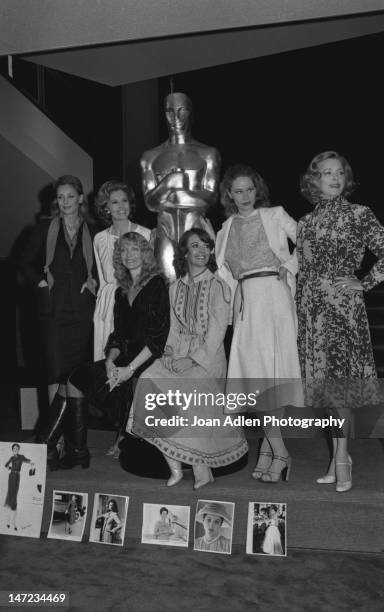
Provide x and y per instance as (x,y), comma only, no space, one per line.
(141,326)
(194,358)
(253,256)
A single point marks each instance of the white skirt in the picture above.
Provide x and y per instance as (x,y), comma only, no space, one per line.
(264,344)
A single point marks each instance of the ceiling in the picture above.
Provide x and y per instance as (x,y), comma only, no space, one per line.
(123,41)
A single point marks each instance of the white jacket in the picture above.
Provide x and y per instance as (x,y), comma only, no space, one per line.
(278,226)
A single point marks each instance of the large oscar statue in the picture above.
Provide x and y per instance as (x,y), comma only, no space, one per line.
(180,179)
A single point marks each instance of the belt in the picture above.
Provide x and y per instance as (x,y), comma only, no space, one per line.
(260,274)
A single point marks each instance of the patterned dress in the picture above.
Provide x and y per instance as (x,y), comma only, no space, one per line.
(333,336)
(199,319)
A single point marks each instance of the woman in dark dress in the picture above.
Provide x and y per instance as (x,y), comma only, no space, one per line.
(333,334)
(141,326)
(59,265)
(14,464)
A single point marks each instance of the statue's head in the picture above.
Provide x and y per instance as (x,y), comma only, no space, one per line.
(178,111)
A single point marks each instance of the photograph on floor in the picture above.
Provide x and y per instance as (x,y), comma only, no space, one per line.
(214,526)
(165,524)
(69,515)
(267,529)
(109,519)
(22,488)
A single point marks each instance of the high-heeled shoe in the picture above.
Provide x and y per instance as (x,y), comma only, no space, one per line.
(176,471)
(329,478)
(259,468)
(203,475)
(272,476)
(345,485)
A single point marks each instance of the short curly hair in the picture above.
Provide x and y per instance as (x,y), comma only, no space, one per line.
(234,172)
(308,182)
(179,261)
(104,194)
(148,269)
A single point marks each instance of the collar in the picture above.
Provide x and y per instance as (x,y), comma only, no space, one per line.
(187,280)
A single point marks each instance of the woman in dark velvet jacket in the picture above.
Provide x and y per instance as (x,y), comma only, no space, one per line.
(58,263)
(141,326)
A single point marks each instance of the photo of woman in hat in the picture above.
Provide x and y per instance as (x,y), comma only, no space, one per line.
(216,519)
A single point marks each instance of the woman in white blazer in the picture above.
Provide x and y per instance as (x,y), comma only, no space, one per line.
(253,257)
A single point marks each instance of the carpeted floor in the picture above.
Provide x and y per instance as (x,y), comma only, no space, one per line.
(147,578)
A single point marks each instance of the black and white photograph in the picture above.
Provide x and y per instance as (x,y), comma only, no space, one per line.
(68,517)
(22,488)
(214,526)
(165,524)
(192,312)
(267,529)
(109,517)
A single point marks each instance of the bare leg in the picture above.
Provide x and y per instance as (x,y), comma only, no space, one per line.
(281,463)
(264,459)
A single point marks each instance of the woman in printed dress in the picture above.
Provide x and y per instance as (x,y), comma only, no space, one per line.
(194,358)
(333,338)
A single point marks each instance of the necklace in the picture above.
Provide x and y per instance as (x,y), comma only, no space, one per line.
(71,228)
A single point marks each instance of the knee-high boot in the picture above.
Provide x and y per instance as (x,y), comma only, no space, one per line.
(75,434)
(54,429)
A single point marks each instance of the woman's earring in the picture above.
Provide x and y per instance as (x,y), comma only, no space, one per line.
(107,212)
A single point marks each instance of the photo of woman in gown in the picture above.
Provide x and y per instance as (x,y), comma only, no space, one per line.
(334,340)
(115,205)
(272,539)
(141,326)
(14,464)
(253,256)
(111,524)
(58,263)
(194,358)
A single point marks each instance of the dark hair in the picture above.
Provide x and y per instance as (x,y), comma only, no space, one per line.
(104,194)
(148,269)
(15,445)
(72,181)
(113,503)
(308,182)
(220,517)
(234,172)
(181,250)
(162,509)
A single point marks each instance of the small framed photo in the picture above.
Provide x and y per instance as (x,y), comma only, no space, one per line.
(267,529)
(109,517)
(165,524)
(22,488)
(214,526)
(69,514)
